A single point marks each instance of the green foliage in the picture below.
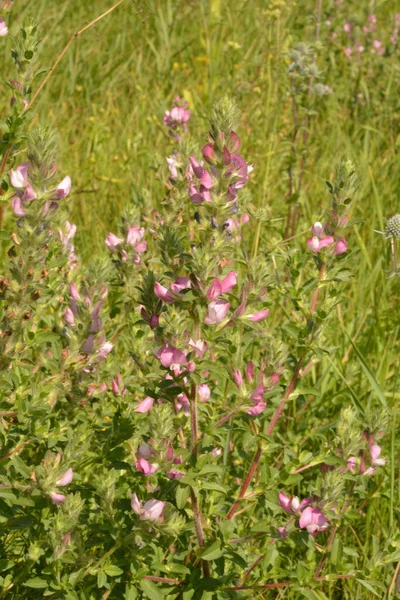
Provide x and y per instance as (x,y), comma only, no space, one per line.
(71,382)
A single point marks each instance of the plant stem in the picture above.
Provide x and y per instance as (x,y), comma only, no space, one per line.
(194,447)
(315,295)
(246,483)
(289,390)
(270,429)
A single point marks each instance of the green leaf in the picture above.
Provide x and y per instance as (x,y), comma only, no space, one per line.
(213,486)
(369,587)
(212,552)
(131,593)
(374,384)
(112,570)
(182,493)
(151,590)
(36,583)
(101,579)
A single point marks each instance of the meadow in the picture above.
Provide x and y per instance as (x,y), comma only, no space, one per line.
(199,393)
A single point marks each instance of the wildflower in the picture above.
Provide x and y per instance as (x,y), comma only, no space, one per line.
(19,177)
(200,347)
(348,51)
(3,28)
(219,287)
(64,480)
(319,240)
(392,227)
(63,189)
(172,166)
(150,511)
(313,520)
(171,358)
(217,311)
(340,247)
(145,467)
(258,316)
(145,451)
(175,474)
(204,392)
(145,405)
(292,505)
(347,27)
(377,48)
(69,317)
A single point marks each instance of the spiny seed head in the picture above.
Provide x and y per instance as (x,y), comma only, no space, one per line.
(393,226)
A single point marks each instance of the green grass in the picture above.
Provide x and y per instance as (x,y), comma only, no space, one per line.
(107,98)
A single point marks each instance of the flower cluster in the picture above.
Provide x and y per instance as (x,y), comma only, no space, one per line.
(83,314)
(311,517)
(320,240)
(227,172)
(177,118)
(131,247)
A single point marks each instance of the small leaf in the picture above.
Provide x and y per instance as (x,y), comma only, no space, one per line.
(212,552)
(151,590)
(36,583)
(112,570)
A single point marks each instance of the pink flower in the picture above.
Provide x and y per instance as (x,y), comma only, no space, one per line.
(182,403)
(134,237)
(170,356)
(63,189)
(315,244)
(313,520)
(69,317)
(66,478)
(318,229)
(258,316)
(347,27)
(3,28)
(200,347)
(348,52)
(180,284)
(57,498)
(151,511)
(145,405)
(340,247)
(175,474)
(145,451)
(292,505)
(145,467)
(18,207)
(74,291)
(163,293)
(217,311)
(112,241)
(204,392)
(19,177)
(172,166)
(229,282)
(104,350)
